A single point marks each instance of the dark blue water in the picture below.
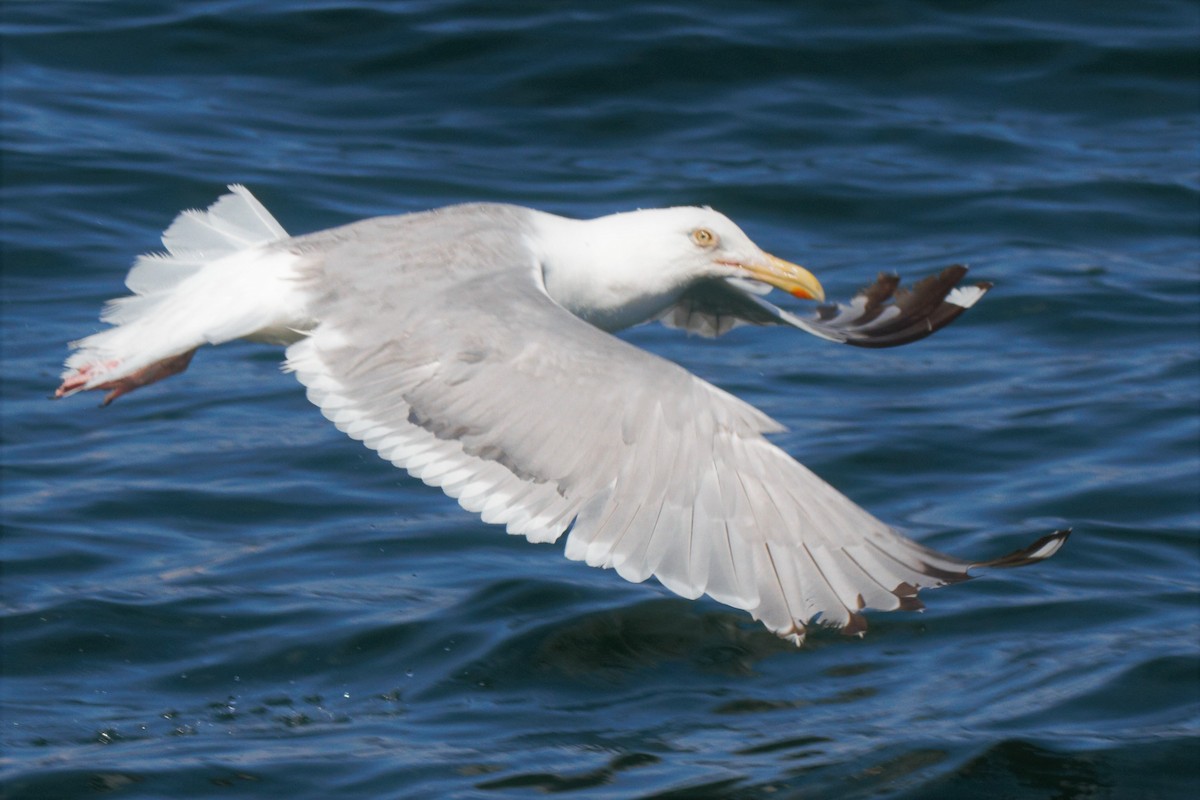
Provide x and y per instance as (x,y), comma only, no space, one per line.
(210,592)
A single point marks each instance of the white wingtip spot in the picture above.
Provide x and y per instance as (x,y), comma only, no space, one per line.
(965,296)
(1051,546)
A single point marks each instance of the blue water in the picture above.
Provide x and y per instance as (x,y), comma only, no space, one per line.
(208,591)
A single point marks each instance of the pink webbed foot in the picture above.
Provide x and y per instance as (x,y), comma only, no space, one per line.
(143,377)
(77,381)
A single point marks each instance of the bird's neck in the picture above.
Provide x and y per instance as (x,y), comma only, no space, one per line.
(596,270)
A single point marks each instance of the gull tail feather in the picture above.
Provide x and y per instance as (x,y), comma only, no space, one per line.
(218,280)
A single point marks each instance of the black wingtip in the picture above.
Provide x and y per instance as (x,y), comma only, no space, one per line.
(1040,550)
(886,314)
(953,273)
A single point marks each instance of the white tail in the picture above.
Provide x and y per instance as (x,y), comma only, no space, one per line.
(219,280)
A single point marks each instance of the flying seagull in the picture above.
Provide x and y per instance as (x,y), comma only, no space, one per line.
(471,345)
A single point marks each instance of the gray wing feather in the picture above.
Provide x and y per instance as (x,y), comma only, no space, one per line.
(438,348)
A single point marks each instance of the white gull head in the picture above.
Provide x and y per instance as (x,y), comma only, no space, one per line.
(624,269)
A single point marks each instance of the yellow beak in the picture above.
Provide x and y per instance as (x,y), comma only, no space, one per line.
(792,278)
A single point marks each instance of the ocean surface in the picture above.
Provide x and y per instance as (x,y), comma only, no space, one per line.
(208,591)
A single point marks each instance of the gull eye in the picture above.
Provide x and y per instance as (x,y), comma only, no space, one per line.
(704,237)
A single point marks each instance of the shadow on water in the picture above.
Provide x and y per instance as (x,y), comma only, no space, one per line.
(1016,768)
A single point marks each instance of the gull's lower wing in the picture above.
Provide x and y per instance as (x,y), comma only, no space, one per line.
(536,420)
(884,314)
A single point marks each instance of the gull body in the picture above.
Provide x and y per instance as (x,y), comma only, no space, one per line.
(470,346)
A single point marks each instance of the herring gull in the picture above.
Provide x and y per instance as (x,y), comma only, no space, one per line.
(471,345)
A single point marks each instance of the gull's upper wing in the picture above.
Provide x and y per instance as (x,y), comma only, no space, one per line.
(438,348)
(883,314)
